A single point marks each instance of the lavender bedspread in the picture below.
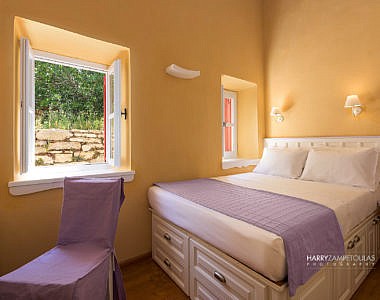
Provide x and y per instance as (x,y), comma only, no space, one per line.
(306,228)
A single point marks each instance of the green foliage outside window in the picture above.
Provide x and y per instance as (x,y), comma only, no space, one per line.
(68,98)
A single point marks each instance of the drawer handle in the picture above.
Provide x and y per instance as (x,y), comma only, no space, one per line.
(351,244)
(219,276)
(375,221)
(356,238)
(167,263)
(167,237)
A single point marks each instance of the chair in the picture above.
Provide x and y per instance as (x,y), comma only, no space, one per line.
(82,265)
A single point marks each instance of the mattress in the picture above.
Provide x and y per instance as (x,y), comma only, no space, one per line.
(257,248)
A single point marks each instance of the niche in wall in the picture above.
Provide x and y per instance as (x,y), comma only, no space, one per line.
(53,42)
(247,115)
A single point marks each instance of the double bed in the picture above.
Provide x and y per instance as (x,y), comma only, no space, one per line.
(256,252)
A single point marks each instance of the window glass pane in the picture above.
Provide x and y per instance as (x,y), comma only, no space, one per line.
(69,115)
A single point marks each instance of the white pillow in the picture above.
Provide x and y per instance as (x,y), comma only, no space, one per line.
(349,166)
(283,162)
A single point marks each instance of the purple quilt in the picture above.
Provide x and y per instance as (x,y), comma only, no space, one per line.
(306,228)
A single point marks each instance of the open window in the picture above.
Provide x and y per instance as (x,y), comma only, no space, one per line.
(68,126)
(72,144)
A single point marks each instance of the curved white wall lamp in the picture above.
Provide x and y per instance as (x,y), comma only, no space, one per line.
(353,102)
(179,72)
(276,114)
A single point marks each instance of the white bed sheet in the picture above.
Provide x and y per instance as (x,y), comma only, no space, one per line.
(259,249)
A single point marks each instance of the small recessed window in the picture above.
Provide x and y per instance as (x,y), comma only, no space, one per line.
(70,111)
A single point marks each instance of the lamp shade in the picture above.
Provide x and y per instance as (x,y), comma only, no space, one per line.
(352,101)
(183,73)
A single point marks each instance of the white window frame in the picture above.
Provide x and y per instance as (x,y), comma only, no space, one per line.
(26,105)
(115,116)
(233,95)
(27,132)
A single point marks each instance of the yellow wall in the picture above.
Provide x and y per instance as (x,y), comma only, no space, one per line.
(248,141)
(175,124)
(317,53)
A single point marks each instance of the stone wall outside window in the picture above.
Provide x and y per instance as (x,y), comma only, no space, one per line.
(58,146)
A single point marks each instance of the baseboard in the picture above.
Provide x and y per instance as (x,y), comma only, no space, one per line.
(135,259)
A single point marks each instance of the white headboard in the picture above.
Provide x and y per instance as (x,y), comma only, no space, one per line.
(339,141)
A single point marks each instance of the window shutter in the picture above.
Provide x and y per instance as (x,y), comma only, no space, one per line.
(113,115)
(229,116)
(27,106)
(227,122)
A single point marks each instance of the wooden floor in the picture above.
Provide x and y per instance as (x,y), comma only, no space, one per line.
(370,288)
(145,280)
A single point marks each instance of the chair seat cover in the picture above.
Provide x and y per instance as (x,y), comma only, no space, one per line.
(78,267)
(64,272)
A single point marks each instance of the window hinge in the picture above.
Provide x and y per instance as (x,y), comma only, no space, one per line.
(124,113)
(228,124)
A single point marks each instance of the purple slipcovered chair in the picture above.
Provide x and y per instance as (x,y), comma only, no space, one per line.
(82,265)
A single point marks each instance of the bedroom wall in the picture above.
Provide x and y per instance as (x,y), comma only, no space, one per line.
(247,137)
(317,53)
(175,125)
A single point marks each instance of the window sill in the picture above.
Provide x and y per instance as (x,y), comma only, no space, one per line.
(47,178)
(228,163)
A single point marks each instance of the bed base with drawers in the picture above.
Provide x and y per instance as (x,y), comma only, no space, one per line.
(204,272)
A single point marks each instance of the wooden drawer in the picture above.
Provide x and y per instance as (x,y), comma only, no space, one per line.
(318,287)
(172,266)
(373,237)
(201,292)
(213,277)
(170,251)
(170,236)
(347,278)
(359,248)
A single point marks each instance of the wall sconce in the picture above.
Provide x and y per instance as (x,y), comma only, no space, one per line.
(183,73)
(276,114)
(353,102)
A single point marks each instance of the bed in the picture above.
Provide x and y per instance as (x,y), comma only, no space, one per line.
(199,240)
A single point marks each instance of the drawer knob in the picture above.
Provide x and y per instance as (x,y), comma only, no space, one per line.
(350,245)
(356,238)
(219,276)
(167,237)
(375,221)
(167,263)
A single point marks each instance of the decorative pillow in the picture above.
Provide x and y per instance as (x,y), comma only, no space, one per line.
(349,166)
(282,162)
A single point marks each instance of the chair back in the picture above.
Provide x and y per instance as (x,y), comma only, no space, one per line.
(90,210)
